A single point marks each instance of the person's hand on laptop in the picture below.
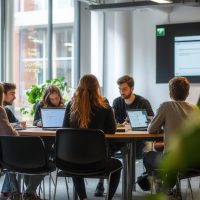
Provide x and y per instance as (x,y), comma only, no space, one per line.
(126,122)
(39,124)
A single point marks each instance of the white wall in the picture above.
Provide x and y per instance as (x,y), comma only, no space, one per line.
(130,48)
(134,32)
(145,57)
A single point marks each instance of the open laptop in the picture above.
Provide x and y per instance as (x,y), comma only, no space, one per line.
(138,119)
(52,118)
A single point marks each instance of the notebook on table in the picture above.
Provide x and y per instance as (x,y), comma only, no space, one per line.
(52,118)
(138,119)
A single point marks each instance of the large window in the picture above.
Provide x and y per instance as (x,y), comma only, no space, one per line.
(31,43)
(62,54)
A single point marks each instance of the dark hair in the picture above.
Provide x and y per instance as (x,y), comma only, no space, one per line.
(126,79)
(48,91)
(1,94)
(179,88)
(8,86)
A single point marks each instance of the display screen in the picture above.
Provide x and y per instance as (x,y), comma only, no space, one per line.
(178,51)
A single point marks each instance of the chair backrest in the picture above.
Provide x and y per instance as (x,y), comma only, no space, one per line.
(81,147)
(22,153)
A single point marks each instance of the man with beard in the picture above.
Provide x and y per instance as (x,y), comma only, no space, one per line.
(127,100)
(9,97)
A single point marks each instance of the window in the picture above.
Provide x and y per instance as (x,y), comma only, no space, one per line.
(32,5)
(30,43)
(62,56)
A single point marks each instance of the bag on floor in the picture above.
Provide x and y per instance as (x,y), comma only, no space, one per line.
(143,182)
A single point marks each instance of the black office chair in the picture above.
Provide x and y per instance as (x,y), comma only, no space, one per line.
(25,155)
(78,148)
(188,174)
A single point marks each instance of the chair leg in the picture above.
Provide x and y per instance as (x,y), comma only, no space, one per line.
(23,183)
(50,186)
(52,180)
(190,187)
(67,188)
(43,188)
(178,187)
(55,184)
(39,189)
(108,185)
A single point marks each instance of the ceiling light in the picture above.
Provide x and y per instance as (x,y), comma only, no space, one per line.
(162,1)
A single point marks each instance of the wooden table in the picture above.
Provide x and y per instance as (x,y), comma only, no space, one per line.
(129,137)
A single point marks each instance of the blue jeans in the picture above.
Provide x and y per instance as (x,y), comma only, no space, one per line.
(6,184)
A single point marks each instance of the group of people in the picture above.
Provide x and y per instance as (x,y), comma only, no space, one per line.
(89,109)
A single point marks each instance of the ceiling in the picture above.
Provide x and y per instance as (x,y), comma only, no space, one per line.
(127,4)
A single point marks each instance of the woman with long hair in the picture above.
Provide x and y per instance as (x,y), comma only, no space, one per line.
(52,97)
(89,109)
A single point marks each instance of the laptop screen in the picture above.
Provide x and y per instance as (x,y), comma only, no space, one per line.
(138,118)
(52,117)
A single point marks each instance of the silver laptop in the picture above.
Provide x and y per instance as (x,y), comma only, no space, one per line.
(52,118)
(138,119)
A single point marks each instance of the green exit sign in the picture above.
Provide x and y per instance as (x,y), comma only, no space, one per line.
(160,31)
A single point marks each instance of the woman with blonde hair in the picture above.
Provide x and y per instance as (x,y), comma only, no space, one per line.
(89,109)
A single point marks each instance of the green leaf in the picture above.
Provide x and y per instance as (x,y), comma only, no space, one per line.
(35,93)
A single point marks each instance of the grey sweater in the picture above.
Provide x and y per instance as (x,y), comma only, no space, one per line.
(169,117)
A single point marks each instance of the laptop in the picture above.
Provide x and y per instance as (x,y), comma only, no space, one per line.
(52,118)
(138,119)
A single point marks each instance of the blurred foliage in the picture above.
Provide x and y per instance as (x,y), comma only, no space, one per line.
(156,197)
(184,149)
(35,93)
(183,154)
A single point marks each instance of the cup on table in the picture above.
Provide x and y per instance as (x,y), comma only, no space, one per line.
(23,124)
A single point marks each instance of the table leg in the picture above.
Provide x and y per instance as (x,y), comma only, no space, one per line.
(133,160)
(127,181)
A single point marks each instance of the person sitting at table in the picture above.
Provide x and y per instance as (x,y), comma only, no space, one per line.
(88,109)
(8,99)
(52,97)
(31,182)
(169,117)
(127,100)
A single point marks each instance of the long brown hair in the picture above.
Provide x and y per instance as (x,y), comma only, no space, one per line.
(1,94)
(48,91)
(86,97)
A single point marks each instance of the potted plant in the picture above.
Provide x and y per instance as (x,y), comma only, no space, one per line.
(34,94)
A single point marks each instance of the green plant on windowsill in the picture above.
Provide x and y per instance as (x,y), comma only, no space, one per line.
(35,93)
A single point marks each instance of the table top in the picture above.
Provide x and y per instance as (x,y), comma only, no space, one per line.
(127,134)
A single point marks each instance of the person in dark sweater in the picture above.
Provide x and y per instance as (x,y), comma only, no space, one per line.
(8,99)
(52,97)
(88,109)
(129,100)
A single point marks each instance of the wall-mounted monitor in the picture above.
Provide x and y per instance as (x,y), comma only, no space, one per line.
(178,51)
